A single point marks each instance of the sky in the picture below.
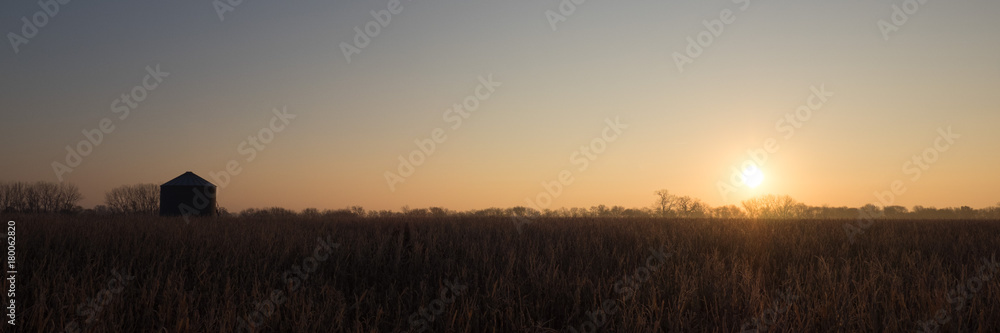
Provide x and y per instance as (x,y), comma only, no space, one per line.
(559,104)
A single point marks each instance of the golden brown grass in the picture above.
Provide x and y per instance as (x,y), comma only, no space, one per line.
(723,273)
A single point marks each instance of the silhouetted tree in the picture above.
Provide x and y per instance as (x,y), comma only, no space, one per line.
(664,203)
(773,206)
(134,199)
(599,211)
(310,213)
(521,211)
(39,197)
(418,212)
(358,210)
(872,211)
(966,212)
(340,213)
(617,211)
(268,213)
(894,211)
(633,212)
(440,211)
(690,207)
(727,212)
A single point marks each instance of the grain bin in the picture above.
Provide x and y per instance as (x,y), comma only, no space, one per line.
(187,195)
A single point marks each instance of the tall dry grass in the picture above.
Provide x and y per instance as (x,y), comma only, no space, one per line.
(201,277)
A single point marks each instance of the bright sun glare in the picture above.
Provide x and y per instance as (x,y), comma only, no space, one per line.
(753,177)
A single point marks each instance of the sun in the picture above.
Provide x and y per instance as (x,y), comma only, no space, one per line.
(753,177)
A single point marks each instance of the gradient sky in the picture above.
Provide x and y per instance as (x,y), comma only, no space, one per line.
(609,59)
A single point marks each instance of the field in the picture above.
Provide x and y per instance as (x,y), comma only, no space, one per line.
(145,274)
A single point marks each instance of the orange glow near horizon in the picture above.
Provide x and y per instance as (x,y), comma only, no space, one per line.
(491,110)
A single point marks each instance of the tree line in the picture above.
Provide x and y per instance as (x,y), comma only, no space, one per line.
(39,197)
(665,205)
(132,199)
(50,197)
(144,199)
(785,207)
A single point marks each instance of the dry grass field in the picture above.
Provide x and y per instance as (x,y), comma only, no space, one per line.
(149,274)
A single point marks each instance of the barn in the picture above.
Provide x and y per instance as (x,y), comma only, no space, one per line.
(188,195)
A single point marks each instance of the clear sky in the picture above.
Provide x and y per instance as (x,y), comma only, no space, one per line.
(554,92)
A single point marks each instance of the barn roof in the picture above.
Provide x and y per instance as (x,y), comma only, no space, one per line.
(188,179)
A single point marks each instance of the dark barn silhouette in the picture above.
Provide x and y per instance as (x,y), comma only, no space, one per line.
(188,195)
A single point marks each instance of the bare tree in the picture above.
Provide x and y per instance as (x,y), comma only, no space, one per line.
(872,210)
(895,211)
(617,211)
(599,210)
(38,197)
(310,213)
(670,205)
(6,197)
(698,209)
(727,212)
(358,210)
(134,199)
(773,206)
(683,205)
(664,203)
(31,196)
(66,198)
(690,207)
